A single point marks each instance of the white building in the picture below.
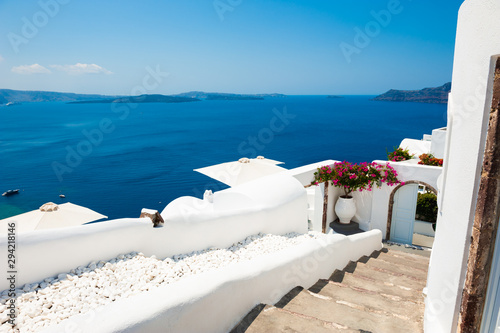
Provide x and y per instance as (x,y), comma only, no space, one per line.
(463,190)
(463,289)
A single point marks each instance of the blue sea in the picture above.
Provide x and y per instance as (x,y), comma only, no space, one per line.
(117,159)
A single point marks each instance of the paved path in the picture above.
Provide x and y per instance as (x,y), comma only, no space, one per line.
(380,293)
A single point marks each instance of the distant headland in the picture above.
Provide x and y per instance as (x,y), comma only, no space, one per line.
(227,97)
(20,96)
(426,95)
(140,99)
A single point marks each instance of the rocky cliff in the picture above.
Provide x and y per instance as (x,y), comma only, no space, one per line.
(426,95)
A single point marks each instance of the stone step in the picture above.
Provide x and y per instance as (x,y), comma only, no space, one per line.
(346,313)
(397,268)
(380,293)
(271,319)
(399,260)
(415,258)
(373,301)
(378,286)
(380,274)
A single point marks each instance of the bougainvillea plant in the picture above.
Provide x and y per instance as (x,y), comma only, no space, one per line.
(352,177)
(429,159)
(399,154)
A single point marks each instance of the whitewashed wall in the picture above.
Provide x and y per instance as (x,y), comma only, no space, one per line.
(275,204)
(408,170)
(188,305)
(305,175)
(476,45)
(423,228)
(438,142)
(416,147)
(371,207)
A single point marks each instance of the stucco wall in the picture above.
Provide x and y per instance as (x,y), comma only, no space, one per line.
(468,109)
(423,228)
(217,300)
(275,205)
(371,207)
(305,174)
(438,142)
(416,147)
(407,171)
(363,200)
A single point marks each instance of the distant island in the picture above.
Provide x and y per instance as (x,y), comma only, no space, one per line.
(227,97)
(426,95)
(140,99)
(21,96)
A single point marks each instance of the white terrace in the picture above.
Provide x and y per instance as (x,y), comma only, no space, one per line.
(462,292)
(193,260)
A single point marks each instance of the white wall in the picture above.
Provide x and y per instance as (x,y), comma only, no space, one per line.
(364,204)
(434,144)
(423,228)
(416,147)
(188,305)
(275,204)
(363,200)
(438,142)
(468,109)
(305,175)
(371,207)
(407,170)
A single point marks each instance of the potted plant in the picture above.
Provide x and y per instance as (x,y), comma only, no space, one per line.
(352,177)
(399,154)
(429,159)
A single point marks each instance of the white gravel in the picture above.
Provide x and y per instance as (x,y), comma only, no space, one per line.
(83,289)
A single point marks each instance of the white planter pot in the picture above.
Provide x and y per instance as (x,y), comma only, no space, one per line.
(345,209)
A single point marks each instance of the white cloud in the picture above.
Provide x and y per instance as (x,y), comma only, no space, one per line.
(79,68)
(1,58)
(30,69)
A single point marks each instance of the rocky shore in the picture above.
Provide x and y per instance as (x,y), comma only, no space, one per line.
(426,95)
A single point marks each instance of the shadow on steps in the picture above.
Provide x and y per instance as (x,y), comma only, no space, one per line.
(337,276)
(245,323)
(288,297)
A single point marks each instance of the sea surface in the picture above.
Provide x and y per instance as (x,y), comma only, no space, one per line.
(117,159)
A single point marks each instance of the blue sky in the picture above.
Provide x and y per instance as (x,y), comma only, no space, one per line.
(239,46)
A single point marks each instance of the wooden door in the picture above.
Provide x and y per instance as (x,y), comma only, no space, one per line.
(403,214)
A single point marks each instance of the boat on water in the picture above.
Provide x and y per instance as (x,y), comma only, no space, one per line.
(62,196)
(10,192)
(13,103)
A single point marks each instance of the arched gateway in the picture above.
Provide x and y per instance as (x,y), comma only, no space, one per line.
(404,209)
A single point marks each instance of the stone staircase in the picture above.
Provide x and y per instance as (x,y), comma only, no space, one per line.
(380,293)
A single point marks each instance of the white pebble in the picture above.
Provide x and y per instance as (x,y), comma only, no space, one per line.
(100,283)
